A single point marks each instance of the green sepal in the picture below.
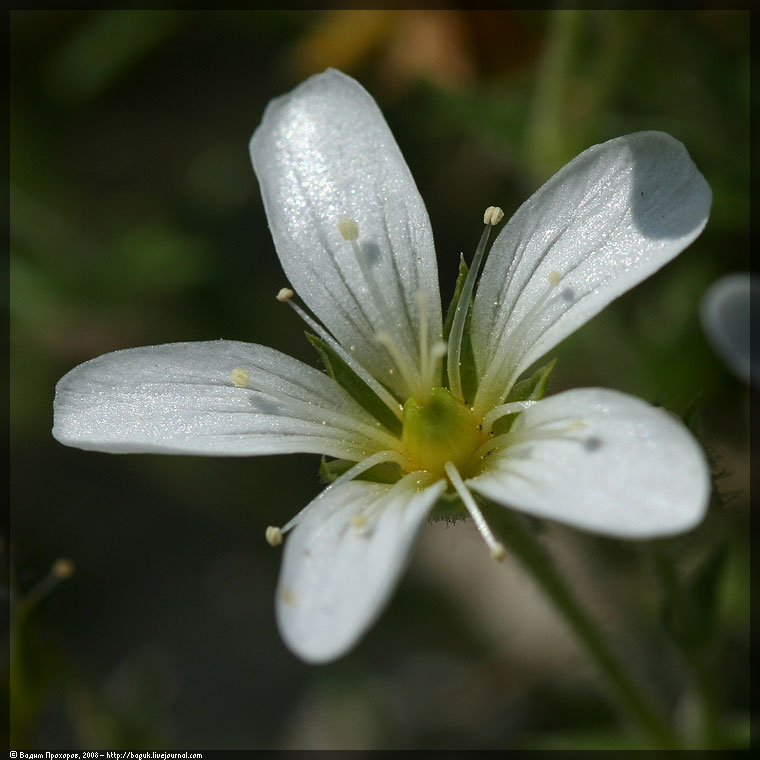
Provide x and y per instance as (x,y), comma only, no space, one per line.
(467,371)
(385,472)
(532,388)
(461,277)
(354,385)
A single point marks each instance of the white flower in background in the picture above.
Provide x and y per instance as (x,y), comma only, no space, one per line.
(434,408)
(725,311)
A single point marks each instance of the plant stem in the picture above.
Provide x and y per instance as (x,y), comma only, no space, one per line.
(546,138)
(523,544)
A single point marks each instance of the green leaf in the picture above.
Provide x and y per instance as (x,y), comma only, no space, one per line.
(532,388)
(354,385)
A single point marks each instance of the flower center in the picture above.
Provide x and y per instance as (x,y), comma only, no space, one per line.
(441,429)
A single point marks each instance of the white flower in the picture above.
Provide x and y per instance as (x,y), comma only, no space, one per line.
(354,239)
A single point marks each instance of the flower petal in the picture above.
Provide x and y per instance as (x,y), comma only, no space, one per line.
(213,398)
(323,153)
(343,561)
(606,221)
(725,312)
(602,461)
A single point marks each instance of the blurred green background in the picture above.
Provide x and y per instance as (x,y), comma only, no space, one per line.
(136,219)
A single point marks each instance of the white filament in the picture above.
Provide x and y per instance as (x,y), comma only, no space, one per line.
(378,389)
(378,458)
(498,552)
(502,411)
(492,216)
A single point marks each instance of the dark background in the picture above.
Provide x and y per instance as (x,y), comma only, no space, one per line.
(136,219)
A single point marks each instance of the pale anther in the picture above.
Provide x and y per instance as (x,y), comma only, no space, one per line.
(493,215)
(274,535)
(554,278)
(498,552)
(358,521)
(239,378)
(348,228)
(284,295)
(438,349)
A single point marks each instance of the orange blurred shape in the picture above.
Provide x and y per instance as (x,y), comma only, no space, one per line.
(409,43)
(341,39)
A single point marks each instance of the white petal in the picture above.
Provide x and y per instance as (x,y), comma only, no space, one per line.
(324,153)
(602,461)
(725,311)
(606,221)
(181,398)
(343,561)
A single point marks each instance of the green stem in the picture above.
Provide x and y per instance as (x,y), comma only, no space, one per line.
(546,138)
(523,544)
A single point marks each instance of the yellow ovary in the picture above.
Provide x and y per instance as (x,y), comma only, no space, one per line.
(440,430)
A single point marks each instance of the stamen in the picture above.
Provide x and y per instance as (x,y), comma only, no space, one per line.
(284,295)
(365,518)
(493,215)
(554,278)
(378,389)
(498,552)
(502,411)
(349,229)
(240,378)
(379,458)
(274,535)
